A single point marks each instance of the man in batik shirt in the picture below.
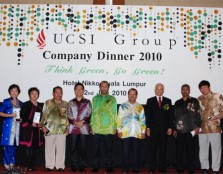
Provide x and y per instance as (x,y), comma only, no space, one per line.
(131,126)
(55,124)
(211,105)
(103,125)
(79,112)
(187,122)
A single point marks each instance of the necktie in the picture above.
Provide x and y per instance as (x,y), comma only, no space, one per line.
(159,102)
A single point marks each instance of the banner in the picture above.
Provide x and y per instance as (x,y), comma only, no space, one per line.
(129,46)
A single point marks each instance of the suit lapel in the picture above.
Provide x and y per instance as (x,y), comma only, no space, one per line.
(163,102)
(156,102)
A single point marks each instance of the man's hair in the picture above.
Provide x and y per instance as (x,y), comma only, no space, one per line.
(79,84)
(14,86)
(133,89)
(33,89)
(104,81)
(57,87)
(204,83)
(185,85)
(159,84)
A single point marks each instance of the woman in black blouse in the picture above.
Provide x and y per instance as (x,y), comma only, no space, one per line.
(31,136)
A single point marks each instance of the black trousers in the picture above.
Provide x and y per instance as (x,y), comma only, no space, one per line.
(30,157)
(107,141)
(185,148)
(79,149)
(131,146)
(158,142)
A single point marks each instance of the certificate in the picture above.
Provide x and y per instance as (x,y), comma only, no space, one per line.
(36,117)
(17,111)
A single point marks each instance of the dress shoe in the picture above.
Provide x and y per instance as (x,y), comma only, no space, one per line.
(135,171)
(151,171)
(204,171)
(215,172)
(73,169)
(180,171)
(94,170)
(82,170)
(32,169)
(162,171)
(48,170)
(60,170)
(109,170)
(124,171)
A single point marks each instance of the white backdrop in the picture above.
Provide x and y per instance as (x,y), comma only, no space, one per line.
(158,44)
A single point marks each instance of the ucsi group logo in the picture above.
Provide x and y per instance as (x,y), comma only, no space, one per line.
(41,40)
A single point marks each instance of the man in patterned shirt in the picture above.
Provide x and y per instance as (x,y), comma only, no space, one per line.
(211,105)
(79,112)
(186,123)
(103,125)
(55,124)
(131,126)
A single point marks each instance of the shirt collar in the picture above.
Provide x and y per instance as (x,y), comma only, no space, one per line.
(186,99)
(103,96)
(82,100)
(131,103)
(210,94)
(157,97)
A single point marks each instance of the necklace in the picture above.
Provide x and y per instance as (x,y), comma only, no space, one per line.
(15,103)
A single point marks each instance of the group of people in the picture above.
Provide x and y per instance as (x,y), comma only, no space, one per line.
(31,124)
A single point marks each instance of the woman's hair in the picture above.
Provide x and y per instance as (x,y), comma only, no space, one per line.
(33,89)
(14,86)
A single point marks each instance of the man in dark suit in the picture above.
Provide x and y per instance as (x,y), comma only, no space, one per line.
(159,120)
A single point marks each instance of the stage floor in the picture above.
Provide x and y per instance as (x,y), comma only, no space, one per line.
(88,170)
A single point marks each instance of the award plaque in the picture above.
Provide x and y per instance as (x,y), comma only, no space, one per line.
(17,111)
(36,118)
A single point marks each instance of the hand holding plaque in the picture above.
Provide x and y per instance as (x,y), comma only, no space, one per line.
(36,118)
(17,111)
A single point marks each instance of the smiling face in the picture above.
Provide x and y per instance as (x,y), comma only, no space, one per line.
(14,93)
(58,94)
(34,95)
(159,89)
(79,91)
(132,96)
(205,90)
(104,87)
(185,91)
